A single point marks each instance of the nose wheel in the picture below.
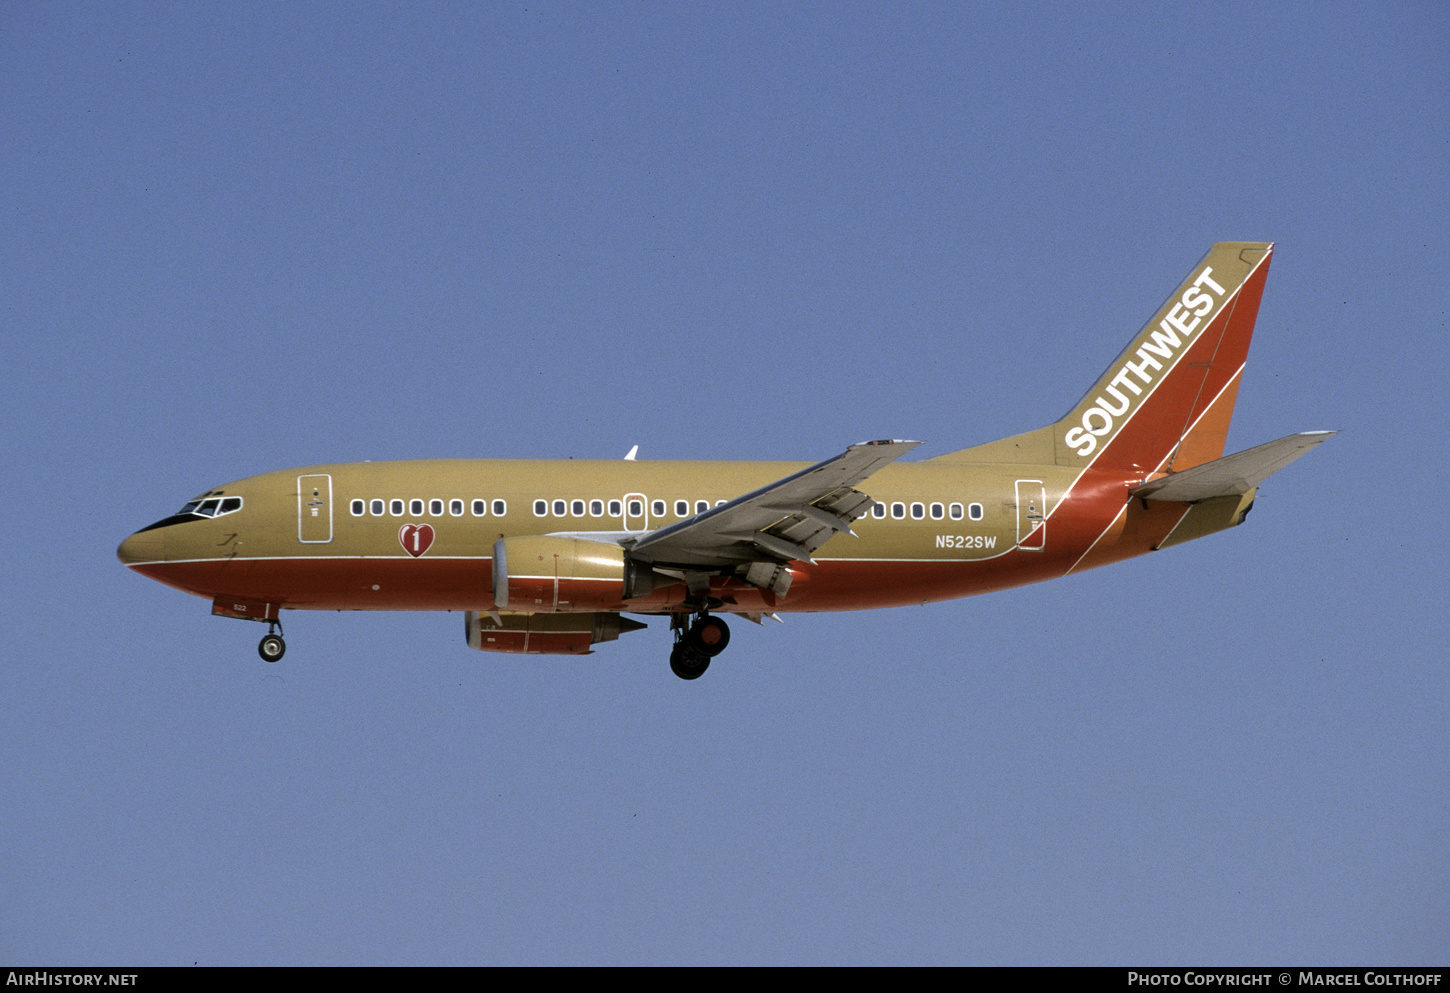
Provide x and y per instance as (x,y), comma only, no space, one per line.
(696,645)
(272,647)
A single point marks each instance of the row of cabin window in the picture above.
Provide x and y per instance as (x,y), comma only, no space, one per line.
(394,508)
(596,508)
(898,511)
(919,511)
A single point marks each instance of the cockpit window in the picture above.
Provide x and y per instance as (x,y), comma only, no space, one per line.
(211,507)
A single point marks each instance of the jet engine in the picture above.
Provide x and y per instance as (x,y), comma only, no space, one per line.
(553,573)
(543,634)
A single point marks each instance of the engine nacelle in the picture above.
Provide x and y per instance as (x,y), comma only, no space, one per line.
(543,634)
(542,573)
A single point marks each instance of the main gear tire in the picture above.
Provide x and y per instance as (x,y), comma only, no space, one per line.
(708,637)
(687,664)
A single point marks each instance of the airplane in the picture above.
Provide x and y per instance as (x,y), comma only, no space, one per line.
(548,556)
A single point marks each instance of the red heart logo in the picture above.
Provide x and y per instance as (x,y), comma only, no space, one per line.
(416,538)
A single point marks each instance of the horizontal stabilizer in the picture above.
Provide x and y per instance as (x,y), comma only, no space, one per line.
(1232,474)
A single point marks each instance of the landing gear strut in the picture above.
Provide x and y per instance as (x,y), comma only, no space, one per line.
(272,647)
(696,645)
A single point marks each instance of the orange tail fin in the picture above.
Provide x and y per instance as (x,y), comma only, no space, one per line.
(1165,403)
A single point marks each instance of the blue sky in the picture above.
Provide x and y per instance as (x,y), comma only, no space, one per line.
(244,238)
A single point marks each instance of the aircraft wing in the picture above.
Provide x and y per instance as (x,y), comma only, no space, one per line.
(783,522)
(1232,474)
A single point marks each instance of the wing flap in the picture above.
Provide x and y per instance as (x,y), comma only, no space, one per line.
(1232,474)
(785,521)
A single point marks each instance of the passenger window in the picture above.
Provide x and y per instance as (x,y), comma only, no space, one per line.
(701,506)
(359,508)
(480,508)
(596,508)
(898,511)
(956,511)
(396,507)
(377,508)
(657,508)
(975,511)
(917,511)
(636,508)
(455,508)
(560,508)
(577,508)
(682,508)
(937,511)
(416,508)
(500,508)
(616,508)
(435,508)
(878,511)
(541,508)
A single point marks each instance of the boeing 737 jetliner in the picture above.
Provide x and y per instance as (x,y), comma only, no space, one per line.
(549,556)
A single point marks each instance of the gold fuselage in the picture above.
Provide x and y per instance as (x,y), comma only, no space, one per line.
(406,535)
(947,529)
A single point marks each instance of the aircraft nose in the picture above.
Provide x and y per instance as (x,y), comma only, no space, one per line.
(143,546)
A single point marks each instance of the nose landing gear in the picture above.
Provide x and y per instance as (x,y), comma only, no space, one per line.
(272,647)
(696,645)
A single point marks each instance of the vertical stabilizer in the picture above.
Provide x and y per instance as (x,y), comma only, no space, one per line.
(1165,402)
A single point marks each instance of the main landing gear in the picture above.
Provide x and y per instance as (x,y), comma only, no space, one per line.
(272,647)
(697,644)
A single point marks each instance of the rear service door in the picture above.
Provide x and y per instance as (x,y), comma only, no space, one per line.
(1031,514)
